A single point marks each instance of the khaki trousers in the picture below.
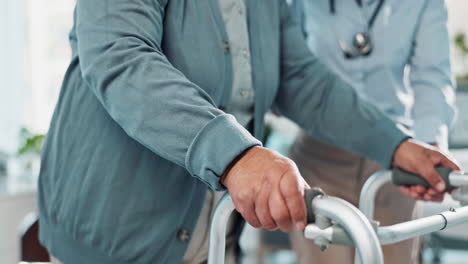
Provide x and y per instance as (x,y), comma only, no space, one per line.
(197,251)
(53,260)
(341,173)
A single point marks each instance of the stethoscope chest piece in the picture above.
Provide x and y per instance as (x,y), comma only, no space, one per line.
(363,44)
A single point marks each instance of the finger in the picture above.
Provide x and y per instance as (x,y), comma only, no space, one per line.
(251,218)
(445,160)
(448,162)
(438,198)
(262,210)
(416,195)
(435,196)
(279,211)
(427,197)
(429,173)
(418,189)
(293,193)
(432,192)
(407,190)
(246,208)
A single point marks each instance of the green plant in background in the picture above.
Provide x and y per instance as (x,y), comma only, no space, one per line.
(30,143)
(460,43)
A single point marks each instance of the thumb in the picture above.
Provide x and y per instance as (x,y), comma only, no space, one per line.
(429,173)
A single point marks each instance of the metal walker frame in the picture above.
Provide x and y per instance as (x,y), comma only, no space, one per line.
(339,222)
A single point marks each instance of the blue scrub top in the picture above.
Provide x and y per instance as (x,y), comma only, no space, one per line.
(408,74)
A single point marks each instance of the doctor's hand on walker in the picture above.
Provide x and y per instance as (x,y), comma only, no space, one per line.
(422,159)
(267,188)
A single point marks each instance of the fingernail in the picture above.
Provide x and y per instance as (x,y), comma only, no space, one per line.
(440,186)
(300,225)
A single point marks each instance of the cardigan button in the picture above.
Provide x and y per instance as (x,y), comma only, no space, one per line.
(226,47)
(183,235)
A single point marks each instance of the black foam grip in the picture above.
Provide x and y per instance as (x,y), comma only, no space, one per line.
(404,178)
(309,195)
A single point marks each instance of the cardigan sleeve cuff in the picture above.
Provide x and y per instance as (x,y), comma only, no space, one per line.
(215,147)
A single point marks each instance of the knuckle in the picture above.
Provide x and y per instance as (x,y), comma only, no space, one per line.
(420,189)
(299,214)
(286,228)
(433,179)
(429,174)
(281,217)
(286,163)
(254,223)
(290,163)
(428,152)
(240,208)
(270,226)
(244,195)
(290,190)
(251,220)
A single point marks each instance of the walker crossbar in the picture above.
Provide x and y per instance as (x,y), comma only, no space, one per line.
(399,232)
(395,233)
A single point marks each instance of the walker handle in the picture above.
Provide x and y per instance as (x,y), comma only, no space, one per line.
(401,177)
(310,195)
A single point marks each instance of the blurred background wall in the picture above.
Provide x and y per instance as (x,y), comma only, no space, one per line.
(458,16)
(33,57)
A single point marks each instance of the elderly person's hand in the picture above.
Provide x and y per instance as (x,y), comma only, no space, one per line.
(267,189)
(421,158)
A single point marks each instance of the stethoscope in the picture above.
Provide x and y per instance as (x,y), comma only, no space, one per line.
(362,42)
